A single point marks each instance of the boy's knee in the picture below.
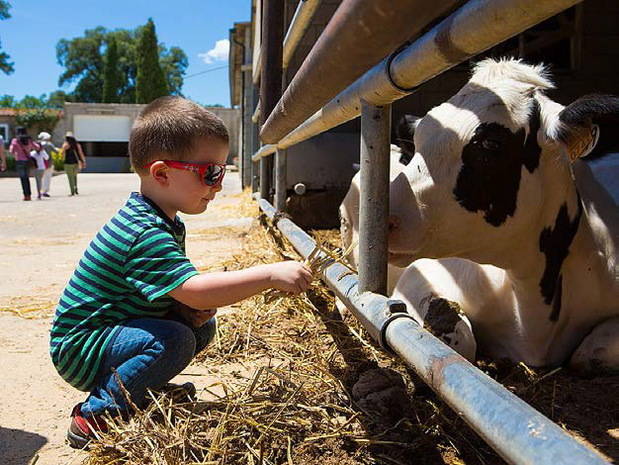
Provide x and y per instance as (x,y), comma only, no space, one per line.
(178,342)
(205,334)
(183,341)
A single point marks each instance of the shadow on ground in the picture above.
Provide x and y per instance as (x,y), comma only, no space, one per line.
(23,448)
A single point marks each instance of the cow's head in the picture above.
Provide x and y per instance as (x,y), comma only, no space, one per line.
(490,166)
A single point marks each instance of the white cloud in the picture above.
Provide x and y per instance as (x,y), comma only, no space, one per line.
(217,53)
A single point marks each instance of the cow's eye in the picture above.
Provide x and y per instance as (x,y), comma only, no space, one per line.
(490,144)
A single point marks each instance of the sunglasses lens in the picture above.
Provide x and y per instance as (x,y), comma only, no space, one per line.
(213,174)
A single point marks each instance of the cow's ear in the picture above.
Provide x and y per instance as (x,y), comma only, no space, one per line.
(590,126)
(405,135)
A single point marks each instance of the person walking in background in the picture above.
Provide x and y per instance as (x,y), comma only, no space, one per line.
(2,155)
(74,159)
(39,156)
(45,141)
(20,148)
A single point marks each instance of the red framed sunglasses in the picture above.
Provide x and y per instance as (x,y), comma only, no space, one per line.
(211,174)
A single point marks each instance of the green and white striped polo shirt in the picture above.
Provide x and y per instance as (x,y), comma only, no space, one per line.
(125,273)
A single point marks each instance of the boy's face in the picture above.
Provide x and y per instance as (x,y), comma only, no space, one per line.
(186,191)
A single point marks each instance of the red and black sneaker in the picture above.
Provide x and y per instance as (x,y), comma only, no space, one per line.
(84,429)
(180,392)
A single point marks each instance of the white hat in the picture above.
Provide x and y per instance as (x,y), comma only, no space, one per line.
(44,136)
(69,134)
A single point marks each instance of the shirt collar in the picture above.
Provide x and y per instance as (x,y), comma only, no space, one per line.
(176,224)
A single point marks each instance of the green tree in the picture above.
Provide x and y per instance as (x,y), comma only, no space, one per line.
(151,82)
(6,66)
(7,101)
(110,75)
(57,99)
(30,102)
(38,119)
(84,62)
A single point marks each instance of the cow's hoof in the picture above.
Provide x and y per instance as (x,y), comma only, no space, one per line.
(446,321)
(598,353)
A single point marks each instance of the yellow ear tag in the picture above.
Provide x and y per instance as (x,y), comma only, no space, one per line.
(584,143)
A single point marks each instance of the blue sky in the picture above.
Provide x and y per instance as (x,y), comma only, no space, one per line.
(196,26)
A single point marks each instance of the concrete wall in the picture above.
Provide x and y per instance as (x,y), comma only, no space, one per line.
(230,117)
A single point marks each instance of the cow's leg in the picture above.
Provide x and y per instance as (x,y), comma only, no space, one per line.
(598,353)
(437,306)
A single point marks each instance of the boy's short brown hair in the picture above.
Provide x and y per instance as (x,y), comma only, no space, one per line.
(170,126)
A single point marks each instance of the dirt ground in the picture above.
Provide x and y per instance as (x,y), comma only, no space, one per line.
(40,244)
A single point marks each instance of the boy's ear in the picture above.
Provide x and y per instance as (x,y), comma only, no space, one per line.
(159,172)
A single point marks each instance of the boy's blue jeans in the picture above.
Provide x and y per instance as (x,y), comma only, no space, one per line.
(146,353)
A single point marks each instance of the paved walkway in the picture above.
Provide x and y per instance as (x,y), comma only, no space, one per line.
(40,244)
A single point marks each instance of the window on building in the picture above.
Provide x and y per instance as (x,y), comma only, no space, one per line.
(4,133)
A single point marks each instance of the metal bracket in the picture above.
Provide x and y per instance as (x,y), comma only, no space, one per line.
(388,68)
(397,309)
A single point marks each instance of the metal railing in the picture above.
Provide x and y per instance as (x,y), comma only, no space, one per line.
(520,434)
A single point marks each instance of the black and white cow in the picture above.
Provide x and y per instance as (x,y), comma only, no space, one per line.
(491,227)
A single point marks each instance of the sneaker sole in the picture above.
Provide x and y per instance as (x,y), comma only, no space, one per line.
(77,442)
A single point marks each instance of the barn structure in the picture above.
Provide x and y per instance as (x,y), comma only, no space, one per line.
(580,46)
(302,72)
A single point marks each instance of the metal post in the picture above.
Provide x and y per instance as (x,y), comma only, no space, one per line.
(255,145)
(248,101)
(271,77)
(374,197)
(280,180)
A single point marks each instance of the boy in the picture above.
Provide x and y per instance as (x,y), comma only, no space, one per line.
(135,303)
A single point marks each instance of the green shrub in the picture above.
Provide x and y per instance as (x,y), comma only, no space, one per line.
(10,163)
(57,160)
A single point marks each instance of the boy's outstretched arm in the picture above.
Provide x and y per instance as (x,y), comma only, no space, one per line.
(218,289)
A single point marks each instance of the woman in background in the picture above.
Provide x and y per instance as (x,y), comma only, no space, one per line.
(20,148)
(74,159)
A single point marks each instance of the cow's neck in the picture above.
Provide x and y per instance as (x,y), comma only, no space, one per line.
(559,255)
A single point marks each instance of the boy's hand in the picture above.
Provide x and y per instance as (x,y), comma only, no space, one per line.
(195,317)
(290,276)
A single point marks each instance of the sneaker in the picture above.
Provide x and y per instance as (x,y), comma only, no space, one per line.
(82,429)
(180,392)
(45,194)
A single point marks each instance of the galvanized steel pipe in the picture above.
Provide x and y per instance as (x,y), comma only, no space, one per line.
(475,27)
(298,26)
(518,432)
(255,117)
(271,76)
(374,197)
(337,58)
(280,180)
(264,151)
